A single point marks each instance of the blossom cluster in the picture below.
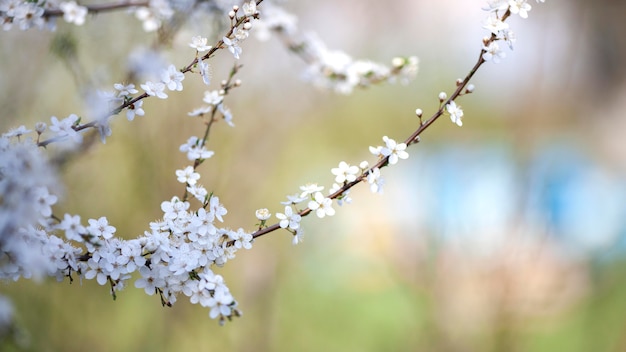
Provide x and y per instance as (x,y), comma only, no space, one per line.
(175,256)
(25,14)
(498,11)
(346,176)
(42,14)
(332,69)
(178,253)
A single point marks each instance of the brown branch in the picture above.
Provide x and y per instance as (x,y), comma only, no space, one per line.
(412,139)
(188,68)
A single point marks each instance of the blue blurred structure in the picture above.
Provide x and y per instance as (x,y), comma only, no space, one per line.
(478,195)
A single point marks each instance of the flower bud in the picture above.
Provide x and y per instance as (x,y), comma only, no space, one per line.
(263,214)
(40,127)
(397,62)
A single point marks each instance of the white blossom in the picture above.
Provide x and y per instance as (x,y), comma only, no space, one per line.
(456,113)
(73,13)
(200,44)
(321,205)
(232,46)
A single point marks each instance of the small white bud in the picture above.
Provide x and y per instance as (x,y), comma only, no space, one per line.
(263,214)
(470,88)
(443,96)
(418,112)
(40,127)
(231,14)
(397,62)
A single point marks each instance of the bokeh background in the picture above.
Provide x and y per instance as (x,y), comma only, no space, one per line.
(507,234)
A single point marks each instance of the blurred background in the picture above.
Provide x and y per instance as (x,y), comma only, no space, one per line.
(507,234)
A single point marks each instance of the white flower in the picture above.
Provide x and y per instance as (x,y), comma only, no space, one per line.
(64,128)
(174,209)
(149,17)
(73,13)
(72,227)
(297,237)
(242,239)
(345,172)
(188,176)
(200,111)
(130,256)
(40,127)
(509,37)
(205,72)
(125,90)
(100,228)
(213,97)
(216,208)
(322,205)
(456,113)
(343,198)
(232,46)
(263,214)
(293,199)
(496,5)
(28,14)
(226,114)
(220,303)
(310,188)
(520,7)
(493,24)
(376,181)
(16,132)
(393,150)
(202,225)
(199,192)
(96,270)
(135,109)
(154,89)
(241,34)
(289,219)
(249,8)
(194,150)
(199,43)
(493,52)
(150,279)
(173,78)
(45,200)
(376,150)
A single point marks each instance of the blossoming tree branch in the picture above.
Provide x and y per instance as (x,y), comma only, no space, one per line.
(176,255)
